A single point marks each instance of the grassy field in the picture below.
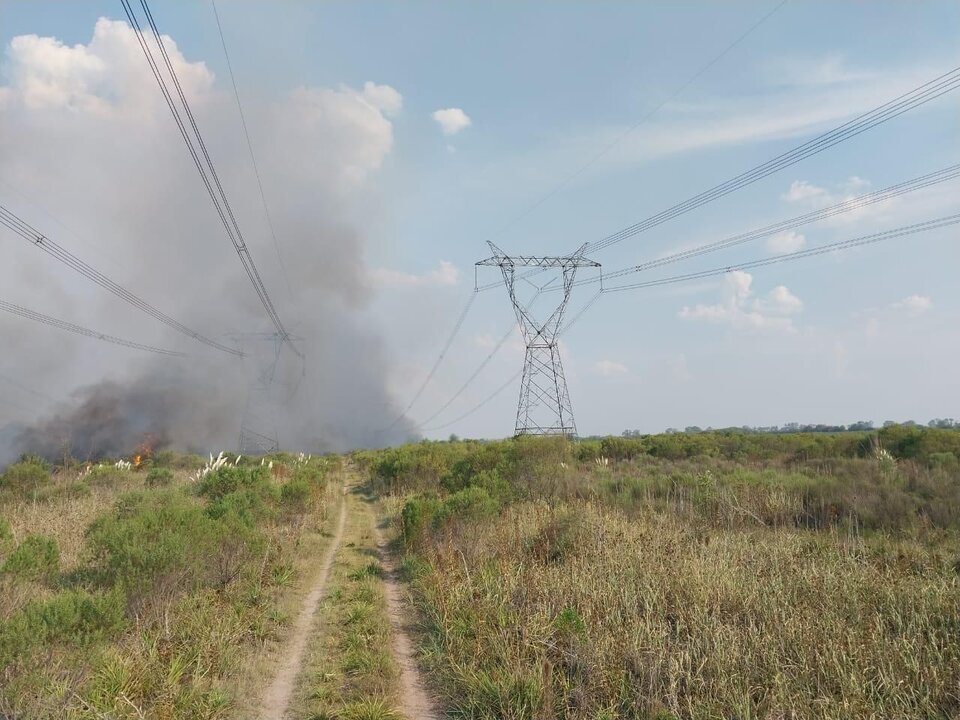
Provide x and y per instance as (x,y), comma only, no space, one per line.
(151,592)
(702,575)
(713,575)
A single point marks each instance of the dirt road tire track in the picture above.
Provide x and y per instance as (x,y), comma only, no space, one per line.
(276,699)
(415,704)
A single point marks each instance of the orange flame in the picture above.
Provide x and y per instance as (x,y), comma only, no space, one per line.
(137,459)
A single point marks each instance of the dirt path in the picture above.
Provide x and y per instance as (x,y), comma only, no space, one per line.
(277,697)
(415,704)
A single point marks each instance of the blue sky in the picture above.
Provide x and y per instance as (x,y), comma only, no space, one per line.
(868,334)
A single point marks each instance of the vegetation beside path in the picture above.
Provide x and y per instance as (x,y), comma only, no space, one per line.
(685,576)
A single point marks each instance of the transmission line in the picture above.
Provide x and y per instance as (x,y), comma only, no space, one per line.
(881,114)
(253,158)
(924,226)
(197,148)
(616,141)
(37,239)
(507,384)
(80,330)
(908,101)
(948,173)
(433,371)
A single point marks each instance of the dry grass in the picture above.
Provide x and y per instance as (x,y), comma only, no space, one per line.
(575,611)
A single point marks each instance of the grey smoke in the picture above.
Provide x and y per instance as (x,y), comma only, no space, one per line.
(94,145)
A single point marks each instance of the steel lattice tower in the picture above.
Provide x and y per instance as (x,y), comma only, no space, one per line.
(258,429)
(544,407)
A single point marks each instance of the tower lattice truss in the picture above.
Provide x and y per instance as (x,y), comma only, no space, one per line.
(544,407)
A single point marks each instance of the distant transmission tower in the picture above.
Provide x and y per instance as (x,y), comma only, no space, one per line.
(544,407)
(258,429)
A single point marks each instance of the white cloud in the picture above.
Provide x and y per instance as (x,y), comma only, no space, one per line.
(383,97)
(451,120)
(610,368)
(740,309)
(914,304)
(786,242)
(801,190)
(445,275)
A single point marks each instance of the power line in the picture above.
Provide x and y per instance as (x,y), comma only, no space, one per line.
(593,160)
(924,226)
(857,203)
(910,100)
(205,167)
(80,330)
(507,384)
(433,371)
(37,239)
(253,158)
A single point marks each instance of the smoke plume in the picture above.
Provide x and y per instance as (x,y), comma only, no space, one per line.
(91,156)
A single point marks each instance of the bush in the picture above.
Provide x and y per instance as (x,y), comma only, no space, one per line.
(295,496)
(37,557)
(159,544)
(75,617)
(159,476)
(229,479)
(26,477)
(6,535)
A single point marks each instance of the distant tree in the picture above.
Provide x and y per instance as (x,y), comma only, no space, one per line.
(692,429)
(890,423)
(860,426)
(454,437)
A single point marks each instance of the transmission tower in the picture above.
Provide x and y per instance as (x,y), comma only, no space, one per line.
(258,429)
(544,407)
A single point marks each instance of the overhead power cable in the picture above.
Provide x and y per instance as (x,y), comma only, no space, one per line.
(924,226)
(617,140)
(80,330)
(37,239)
(883,113)
(908,101)
(253,157)
(436,365)
(503,387)
(857,203)
(197,148)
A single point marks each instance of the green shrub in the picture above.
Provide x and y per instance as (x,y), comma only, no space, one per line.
(229,479)
(160,544)
(159,476)
(247,506)
(37,557)
(74,617)
(944,460)
(26,477)
(416,516)
(6,534)
(295,496)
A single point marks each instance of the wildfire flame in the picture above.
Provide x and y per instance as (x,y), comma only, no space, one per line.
(144,451)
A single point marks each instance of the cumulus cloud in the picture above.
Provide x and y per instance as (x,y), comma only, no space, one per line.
(786,242)
(914,304)
(452,120)
(609,368)
(445,275)
(383,97)
(742,309)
